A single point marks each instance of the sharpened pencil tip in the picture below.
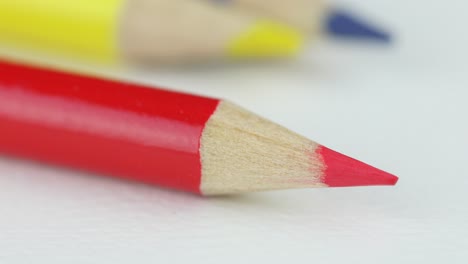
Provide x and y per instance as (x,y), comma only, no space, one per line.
(266,39)
(343,171)
(343,24)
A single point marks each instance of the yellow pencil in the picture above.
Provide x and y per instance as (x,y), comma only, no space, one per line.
(154,31)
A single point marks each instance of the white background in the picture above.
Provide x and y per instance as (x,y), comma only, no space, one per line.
(401,108)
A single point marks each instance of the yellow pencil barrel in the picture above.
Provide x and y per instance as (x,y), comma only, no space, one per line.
(84,28)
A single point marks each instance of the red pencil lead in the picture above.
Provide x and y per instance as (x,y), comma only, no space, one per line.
(341,171)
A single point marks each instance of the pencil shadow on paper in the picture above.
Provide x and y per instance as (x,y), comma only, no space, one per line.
(98,197)
(239,72)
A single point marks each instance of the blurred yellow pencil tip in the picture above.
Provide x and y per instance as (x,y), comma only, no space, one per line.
(266,39)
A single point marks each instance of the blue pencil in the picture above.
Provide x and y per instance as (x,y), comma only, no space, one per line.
(315,17)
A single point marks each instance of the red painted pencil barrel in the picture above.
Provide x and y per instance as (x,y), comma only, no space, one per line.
(118,129)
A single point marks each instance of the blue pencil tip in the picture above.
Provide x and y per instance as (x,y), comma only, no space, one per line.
(342,24)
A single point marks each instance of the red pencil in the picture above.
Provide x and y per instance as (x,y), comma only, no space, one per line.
(192,143)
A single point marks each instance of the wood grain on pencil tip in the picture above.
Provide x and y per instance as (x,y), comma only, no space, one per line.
(192,143)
